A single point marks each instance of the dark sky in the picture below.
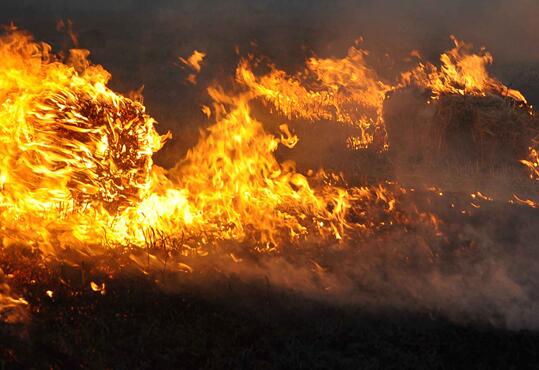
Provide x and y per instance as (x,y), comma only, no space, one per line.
(506,26)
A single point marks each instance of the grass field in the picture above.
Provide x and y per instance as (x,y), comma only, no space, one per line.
(385,303)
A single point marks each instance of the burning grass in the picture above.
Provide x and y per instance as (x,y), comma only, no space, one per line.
(83,206)
(388,296)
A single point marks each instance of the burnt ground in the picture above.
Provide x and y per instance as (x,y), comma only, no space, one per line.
(137,326)
(234,322)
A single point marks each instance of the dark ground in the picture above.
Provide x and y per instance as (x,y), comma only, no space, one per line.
(237,324)
(249,326)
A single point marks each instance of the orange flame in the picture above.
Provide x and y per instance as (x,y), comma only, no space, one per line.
(77,166)
(462,72)
(345,90)
(194,62)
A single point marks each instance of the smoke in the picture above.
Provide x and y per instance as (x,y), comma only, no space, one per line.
(492,274)
(486,274)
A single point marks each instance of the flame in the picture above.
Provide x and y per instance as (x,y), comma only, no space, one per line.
(348,90)
(526,202)
(532,163)
(77,169)
(236,186)
(77,157)
(12,309)
(345,90)
(193,62)
(100,288)
(71,147)
(461,72)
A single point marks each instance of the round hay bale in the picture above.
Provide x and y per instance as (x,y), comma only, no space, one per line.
(491,131)
(486,131)
(98,144)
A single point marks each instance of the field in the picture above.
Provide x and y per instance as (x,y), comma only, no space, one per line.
(247,325)
(401,297)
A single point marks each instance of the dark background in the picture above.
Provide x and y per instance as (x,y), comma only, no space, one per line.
(140,41)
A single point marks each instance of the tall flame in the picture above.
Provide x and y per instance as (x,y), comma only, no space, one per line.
(77,167)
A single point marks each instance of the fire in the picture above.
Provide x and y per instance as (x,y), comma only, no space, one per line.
(349,91)
(345,90)
(77,167)
(532,163)
(239,187)
(69,143)
(461,72)
(11,308)
(193,62)
(77,170)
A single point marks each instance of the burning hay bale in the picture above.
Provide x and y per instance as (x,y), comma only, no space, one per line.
(103,141)
(457,113)
(485,131)
(67,140)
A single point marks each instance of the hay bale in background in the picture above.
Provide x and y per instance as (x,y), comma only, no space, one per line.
(491,131)
(408,120)
(486,131)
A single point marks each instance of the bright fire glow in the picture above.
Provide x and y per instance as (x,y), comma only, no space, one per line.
(77,167)
(77,170)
